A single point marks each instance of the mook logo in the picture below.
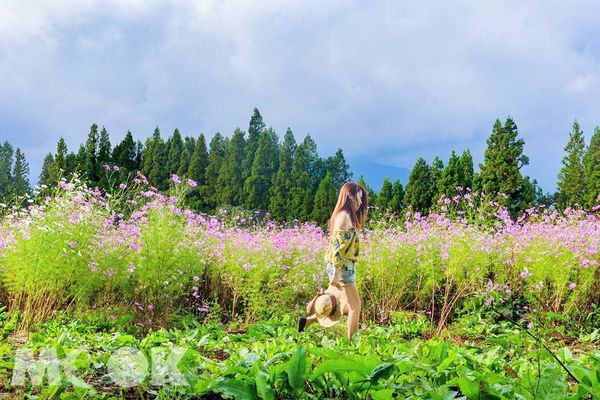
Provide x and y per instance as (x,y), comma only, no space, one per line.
(126,367)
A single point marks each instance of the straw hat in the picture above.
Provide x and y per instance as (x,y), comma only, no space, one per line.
(327,306)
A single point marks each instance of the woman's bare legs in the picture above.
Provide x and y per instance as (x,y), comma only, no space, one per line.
(353,307)
(310,319)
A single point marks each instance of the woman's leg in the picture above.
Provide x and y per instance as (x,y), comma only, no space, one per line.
(310,319)
(353,297)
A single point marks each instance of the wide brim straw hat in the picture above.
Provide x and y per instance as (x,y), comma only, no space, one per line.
(328,306)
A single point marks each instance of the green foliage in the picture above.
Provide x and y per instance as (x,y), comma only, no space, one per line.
(325,200)
(229,181)
(571,177)
(279,195)
(591,163)
(419,189)
(263,169)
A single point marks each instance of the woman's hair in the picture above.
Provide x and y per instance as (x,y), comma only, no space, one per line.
(357,217)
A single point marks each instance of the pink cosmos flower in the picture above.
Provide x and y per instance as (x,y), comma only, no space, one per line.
(176,178)
(106,167)
(116,168)
(572,285)
(525,273)
(192,183)
(123,186)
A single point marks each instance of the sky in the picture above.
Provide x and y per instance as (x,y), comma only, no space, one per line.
(387,81)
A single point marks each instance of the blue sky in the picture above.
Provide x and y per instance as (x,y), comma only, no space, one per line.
(387,81)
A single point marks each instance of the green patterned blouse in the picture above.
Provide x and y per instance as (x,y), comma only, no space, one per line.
(343,248)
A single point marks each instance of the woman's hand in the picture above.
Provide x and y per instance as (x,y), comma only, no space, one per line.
(335,280)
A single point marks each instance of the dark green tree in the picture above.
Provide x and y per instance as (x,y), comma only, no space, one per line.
(229,181)
(199,162)
(154,161)
(437,169)
(90,166)
(175,147)
(325,199)
(302,193)
(396,203)
(20,174)
(419,187)
(189,144)
(265,165)
(466,163)
(6,177)
(124,154)
(46,167)
(503,160)
(384,199)
(255,128)
(59,168)
(339,168)
(279,199)
(528,194)
(452,176)
(591,163)
(216,155)
(372,195)
(571,177)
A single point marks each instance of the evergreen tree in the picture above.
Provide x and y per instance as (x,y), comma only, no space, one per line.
(384,199)
(437,169)
(20,174)
(571,177)
(59,168)
(175,147)
(325,199)
(139,155)
(372,195)
(124,153)
(71,164)
(419,187)
(528,194)
(255,128)
(216,155)
(6,177)
(503,159)
(279,198)
(46,167)
(154,161)
(301,193)
(339,168)
(104,148)
(452,176)
(264,168)
(189,144)
(199,161)
(90,166)
(466,163)
(81,160)
(229,181)
(591,163)
(396,203)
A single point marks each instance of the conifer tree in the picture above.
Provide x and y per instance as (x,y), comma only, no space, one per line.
(340,170)
(46,167)
(81,160)
(175,147)
(466,163)
(372,195)
(279,198)
(199,161)
(265,165)
(71,164)
(6,177)
(186,155)
(90,166)
(59,168)
(437,169)
(452,176)
(396,203)
(229,180)
(384,199)
(154,161)
(528,194)
(419,187)
(571,177)
(216,155)
(503,159)
(591,163)
(124,153)
(301,193)
(255,128)
(20,174)
(325,199)
(104,148)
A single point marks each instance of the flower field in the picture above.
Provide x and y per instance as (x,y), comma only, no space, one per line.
(458,303)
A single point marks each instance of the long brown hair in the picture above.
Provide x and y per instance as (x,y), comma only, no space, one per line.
(357,217)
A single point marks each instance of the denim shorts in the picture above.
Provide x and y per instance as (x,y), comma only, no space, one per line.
(347,275)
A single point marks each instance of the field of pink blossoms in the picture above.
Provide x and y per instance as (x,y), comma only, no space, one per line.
(140,252)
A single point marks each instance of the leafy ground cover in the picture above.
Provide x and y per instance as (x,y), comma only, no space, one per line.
(269,360)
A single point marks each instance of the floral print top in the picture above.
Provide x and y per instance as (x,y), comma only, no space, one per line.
(344,247)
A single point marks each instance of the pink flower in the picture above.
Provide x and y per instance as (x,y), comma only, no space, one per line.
(106,167)
(529,325)
(150,307)
(572,285)
(176,178)
(116,167)
(65,186)
(73,244)
(196,278)
(123,186)
(192,183)
(525,273)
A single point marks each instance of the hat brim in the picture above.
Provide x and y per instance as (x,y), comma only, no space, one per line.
(341,302)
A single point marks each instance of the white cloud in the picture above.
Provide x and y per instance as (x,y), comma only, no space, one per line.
(388,80)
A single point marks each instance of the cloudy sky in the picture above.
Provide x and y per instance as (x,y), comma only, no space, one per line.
(388,81)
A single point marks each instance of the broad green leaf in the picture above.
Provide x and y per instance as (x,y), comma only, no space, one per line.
(469,387)
(239,390)
(296,368)
(263,389)
(384,394)
(382,371)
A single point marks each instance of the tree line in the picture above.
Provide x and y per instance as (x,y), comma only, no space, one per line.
(254,170)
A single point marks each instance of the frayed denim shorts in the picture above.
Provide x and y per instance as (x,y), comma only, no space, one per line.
(347,274)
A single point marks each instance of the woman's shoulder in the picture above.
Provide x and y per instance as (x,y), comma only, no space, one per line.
(342,221)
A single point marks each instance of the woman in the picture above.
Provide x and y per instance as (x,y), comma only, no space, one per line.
(349,214)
